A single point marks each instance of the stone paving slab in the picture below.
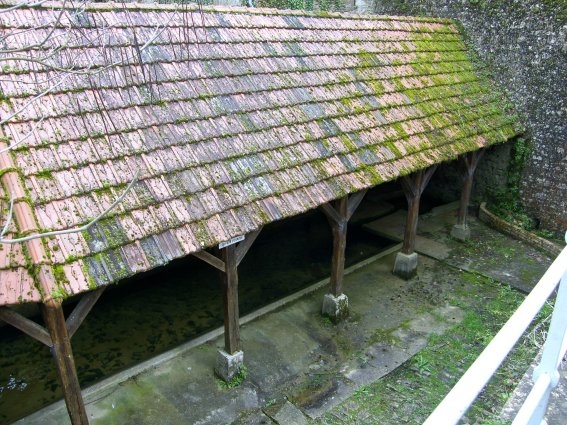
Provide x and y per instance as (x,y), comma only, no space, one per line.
(392,227)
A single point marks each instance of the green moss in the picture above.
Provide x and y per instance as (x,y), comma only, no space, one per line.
(201,232)
(349,144)
(384,336)
(44,174)
(263,215)
(59,274)
(59,294)
(366,59)
(5,99)
(377,87)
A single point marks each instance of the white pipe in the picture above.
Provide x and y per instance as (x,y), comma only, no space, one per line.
(539,391)
(459,399)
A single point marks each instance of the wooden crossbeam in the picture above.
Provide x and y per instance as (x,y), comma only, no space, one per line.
(353,202)
(331,213)
(27,326)
(244,246)
(209,258)
(82,309)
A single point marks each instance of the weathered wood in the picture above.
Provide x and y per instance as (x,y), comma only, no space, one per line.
(209,258)
(230,300)
(244,246)
(26,325)
(64,362)
(411,225)
(339,230)
(82,309)
(469,162)
(338,217)
(353,202)
(331,213)
(413,186)
(231,256)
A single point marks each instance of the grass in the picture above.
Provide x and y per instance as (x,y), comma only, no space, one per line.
(412,391)
(236,380)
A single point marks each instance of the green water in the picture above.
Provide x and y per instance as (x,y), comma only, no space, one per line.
(142,317)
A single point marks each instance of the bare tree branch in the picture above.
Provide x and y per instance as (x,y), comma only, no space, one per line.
(23,139)
(23,3)
(66,231)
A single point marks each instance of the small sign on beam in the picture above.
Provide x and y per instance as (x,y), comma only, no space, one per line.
(232,241)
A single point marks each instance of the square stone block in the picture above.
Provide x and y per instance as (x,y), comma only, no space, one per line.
(461,232)
(405,265)
(228,365)
(335,307)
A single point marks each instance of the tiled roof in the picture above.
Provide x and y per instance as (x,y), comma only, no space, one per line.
(234,118)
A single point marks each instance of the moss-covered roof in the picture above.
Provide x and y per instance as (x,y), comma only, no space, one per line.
(234,118)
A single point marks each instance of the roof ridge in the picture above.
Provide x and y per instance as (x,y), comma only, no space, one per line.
(26,219)
(192,7)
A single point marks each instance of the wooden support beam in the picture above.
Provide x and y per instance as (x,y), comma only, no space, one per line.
(27,326)
(82,309)
(209,258)
(63,355)
(244,246)
(353,202)
(338,216)
(469,164)
(332,215)
(231,256)
(339,230)
(230,300)
(413,187)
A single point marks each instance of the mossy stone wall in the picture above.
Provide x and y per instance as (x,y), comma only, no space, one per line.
(525,44)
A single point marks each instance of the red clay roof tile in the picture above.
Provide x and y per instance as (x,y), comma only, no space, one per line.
(272,114)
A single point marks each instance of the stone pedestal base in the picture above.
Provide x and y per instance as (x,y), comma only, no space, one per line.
(405,265)
(228,365)
(335,308)
(461,232)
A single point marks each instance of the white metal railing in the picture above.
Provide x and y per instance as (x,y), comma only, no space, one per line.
(546,375)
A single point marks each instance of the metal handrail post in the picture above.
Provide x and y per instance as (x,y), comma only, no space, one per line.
(553,352)
(459,399)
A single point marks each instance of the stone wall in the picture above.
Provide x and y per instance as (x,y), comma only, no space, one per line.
(525,44)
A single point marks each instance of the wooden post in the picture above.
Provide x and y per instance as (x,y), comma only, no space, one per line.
(63,355)
(230,361)
(230,300)
(413,186)
(461,230)
(339,230)
(335,303)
